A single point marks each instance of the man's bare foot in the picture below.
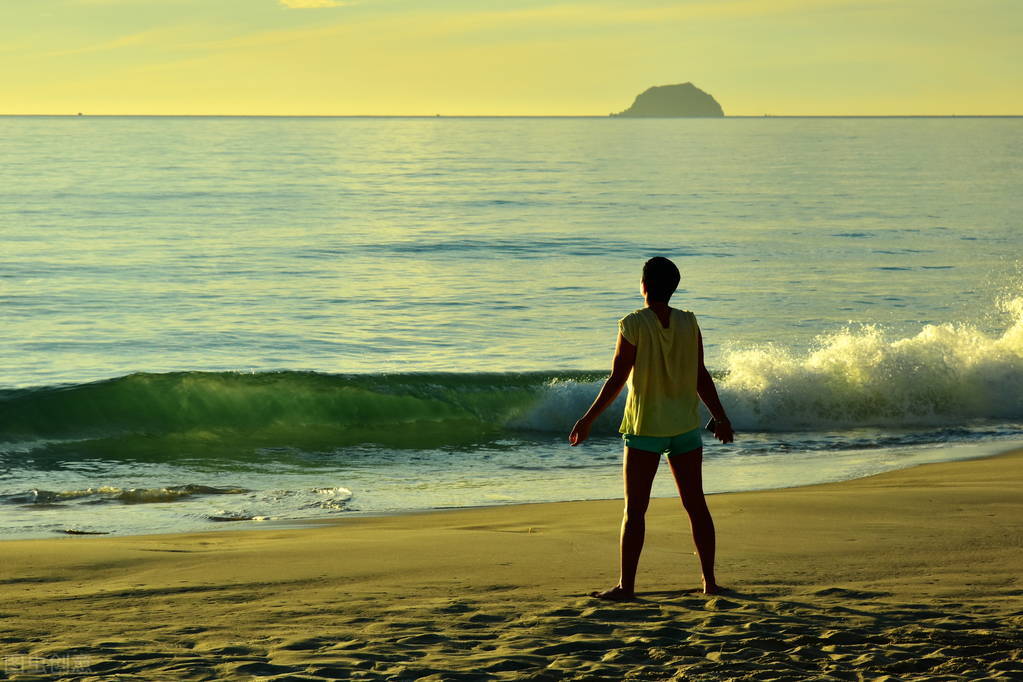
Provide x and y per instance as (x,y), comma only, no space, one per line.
(711,587)
(616,593)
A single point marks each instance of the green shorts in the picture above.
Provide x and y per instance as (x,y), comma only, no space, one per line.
(670,445)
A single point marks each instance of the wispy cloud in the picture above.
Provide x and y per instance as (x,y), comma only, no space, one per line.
(615,13)
(314,4)
(134,40)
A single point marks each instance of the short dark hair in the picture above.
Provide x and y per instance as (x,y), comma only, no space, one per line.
(661,278)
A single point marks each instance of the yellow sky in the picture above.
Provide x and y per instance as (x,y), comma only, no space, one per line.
(512,57)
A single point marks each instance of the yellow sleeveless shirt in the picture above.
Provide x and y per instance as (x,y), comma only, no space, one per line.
(662,386)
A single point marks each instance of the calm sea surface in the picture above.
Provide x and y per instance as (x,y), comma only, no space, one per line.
(209,319)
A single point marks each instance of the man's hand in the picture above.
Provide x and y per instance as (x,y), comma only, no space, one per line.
(580,432)
(723,430)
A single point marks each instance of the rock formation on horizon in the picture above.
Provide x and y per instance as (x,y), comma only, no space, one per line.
(668,101)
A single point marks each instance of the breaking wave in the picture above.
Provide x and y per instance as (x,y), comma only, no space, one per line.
(948,374)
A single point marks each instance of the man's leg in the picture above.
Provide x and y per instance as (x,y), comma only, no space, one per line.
(687,469)
(639,469)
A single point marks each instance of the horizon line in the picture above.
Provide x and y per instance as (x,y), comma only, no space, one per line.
(434,116)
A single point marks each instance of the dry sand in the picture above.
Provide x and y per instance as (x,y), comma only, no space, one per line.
(908,575)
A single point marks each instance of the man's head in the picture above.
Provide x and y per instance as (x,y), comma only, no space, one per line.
(660,279)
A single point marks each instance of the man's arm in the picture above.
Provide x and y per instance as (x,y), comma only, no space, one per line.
(621,366)
(708,393)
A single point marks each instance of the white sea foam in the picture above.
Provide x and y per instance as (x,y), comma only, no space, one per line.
(945,375)
(332,499)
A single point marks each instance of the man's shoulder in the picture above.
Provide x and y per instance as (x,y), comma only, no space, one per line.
(631,326)
(634,314)
(632,318)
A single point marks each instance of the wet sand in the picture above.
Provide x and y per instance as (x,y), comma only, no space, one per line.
(913,574)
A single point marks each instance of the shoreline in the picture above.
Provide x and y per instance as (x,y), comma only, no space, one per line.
(221,525)
(912,573)
(316,522)
(507,116)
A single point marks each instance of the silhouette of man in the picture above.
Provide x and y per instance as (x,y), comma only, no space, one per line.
(660,354)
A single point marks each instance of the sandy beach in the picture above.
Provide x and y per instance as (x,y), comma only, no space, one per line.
(908,575)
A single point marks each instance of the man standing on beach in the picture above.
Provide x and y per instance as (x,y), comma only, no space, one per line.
(660,355)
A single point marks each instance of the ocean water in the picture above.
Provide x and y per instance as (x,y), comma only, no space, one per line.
(206,320)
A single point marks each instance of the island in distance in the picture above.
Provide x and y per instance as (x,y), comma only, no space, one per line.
(668,101)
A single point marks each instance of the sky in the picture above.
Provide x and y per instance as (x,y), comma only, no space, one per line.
(510,57)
